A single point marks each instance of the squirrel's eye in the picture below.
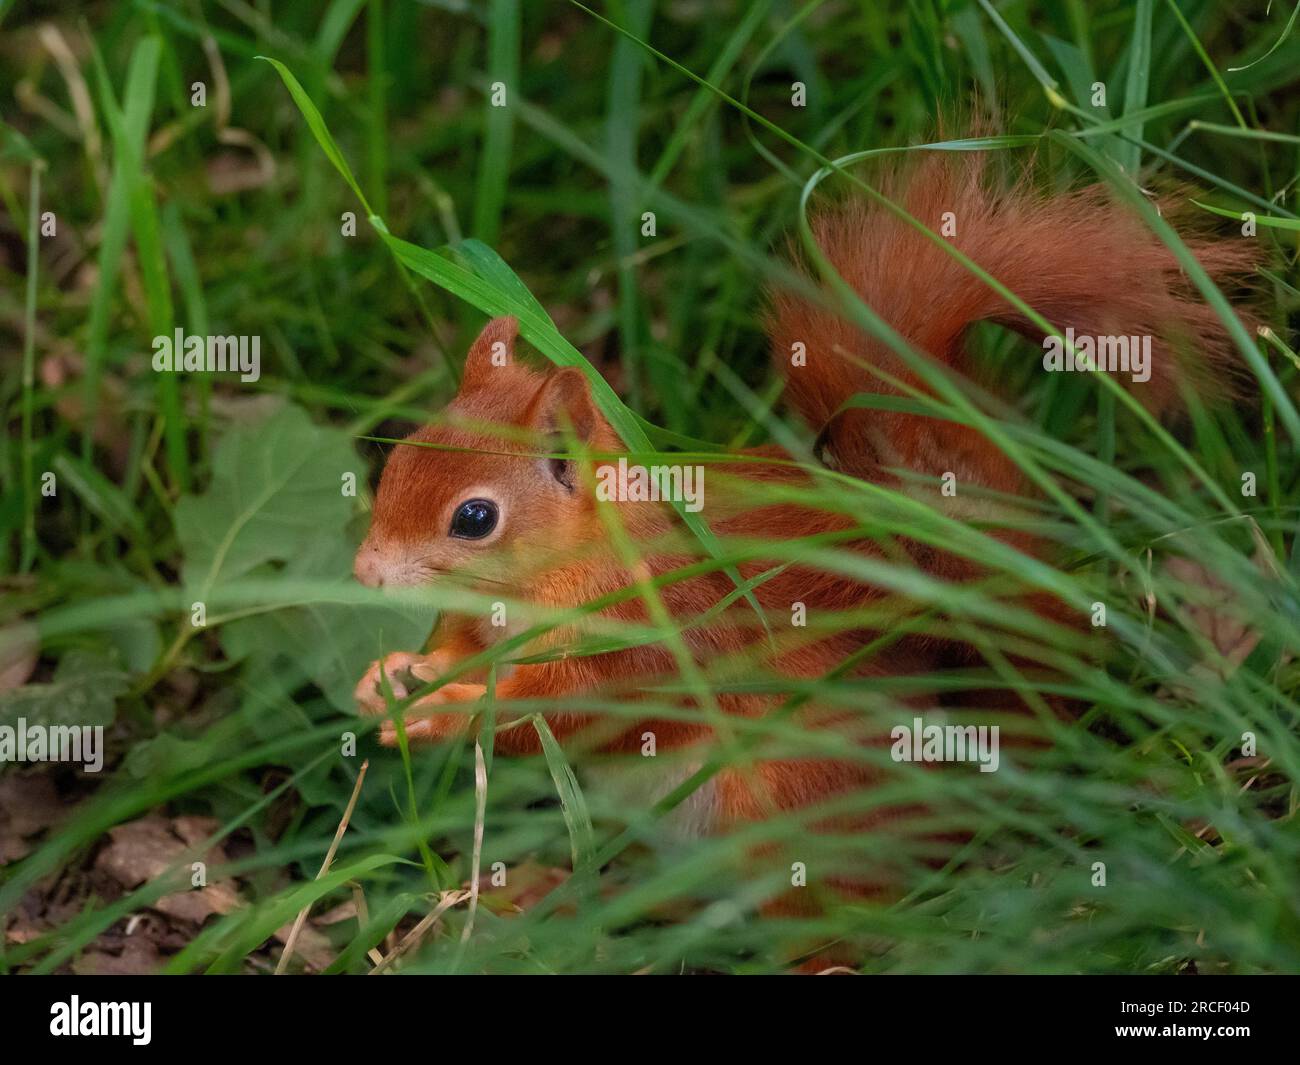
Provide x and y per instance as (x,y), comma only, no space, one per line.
(474,519)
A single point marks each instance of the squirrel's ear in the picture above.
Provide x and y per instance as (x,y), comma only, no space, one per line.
(494,349)
(563,404)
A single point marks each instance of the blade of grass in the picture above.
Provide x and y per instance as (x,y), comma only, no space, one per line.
(301,919)
(755,13)
(623,102)
(498,122)
(377,98)
(1286,32)
(27,551)
(572,804)
(1268,220)
(1209,63)
(1136,85)
(117,220)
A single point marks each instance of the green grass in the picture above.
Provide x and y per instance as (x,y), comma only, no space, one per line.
(177,489)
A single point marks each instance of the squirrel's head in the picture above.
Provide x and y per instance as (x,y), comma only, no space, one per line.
(469,495)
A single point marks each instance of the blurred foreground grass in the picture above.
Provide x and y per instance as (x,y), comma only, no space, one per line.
(229,219)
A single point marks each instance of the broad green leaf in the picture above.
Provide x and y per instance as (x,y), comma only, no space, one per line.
(329,643)
(84,691)
(166,755)
(276,488)
(276,498)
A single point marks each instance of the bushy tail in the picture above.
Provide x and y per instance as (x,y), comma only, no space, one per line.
(1079,259)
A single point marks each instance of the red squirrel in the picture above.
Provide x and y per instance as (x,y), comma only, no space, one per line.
(481,506)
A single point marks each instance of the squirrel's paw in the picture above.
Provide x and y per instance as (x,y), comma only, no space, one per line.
(406,672)
(430,728)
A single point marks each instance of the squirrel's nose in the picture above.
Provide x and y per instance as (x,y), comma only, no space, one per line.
(367,567)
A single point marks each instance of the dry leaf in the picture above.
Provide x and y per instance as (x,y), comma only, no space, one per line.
(140,850)
(29,802)
(19,649)
(526,885)
(344,911)
(201,903)
(1216,615)
(139,956)
(145,849)
(312,946)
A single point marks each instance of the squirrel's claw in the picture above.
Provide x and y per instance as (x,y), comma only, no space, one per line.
(431,728)
(403,670)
